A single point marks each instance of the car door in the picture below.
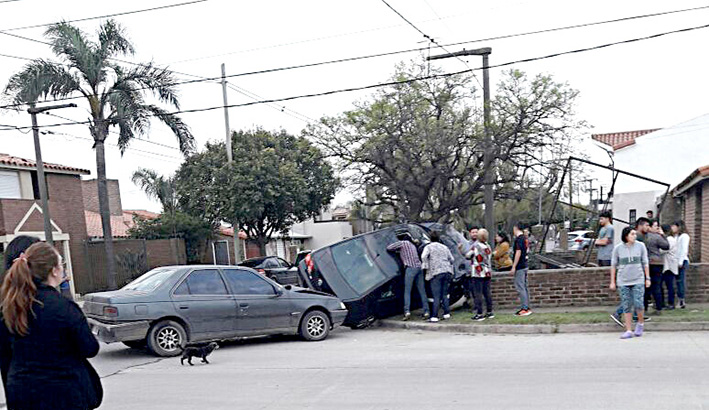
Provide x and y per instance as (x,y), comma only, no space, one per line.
(262,307)
(203,300)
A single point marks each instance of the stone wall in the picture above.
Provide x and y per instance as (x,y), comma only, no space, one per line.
(583,287)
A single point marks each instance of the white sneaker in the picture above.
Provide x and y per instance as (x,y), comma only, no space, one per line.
(446,316)
(433,319)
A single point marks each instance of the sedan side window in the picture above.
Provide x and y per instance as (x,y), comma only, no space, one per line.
(247,283)
(283,263)
(271,263)
(202,282)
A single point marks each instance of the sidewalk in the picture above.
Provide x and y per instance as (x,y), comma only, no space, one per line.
(555,320)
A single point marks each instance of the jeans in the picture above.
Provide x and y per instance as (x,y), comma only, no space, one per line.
(656,286)
(604,262)
(439,287)
(521,287)
(481,287)
(668,280)
(680,280)
(414,275)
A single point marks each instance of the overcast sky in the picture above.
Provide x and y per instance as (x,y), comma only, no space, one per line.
(649,84)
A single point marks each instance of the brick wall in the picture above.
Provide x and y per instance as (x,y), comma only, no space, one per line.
(90,196)
(583,287)
(703,237)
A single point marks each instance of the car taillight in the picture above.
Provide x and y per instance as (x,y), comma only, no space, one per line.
(579,240)
(309,263)
(110,311)
(260,271)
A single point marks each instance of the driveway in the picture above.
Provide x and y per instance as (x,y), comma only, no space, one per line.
(384,369)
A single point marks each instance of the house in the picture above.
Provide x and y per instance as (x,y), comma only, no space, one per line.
(21,211)
(693,195)
(665,155)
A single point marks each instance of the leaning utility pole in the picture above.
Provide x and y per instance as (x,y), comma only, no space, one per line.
(230,159)
(41,180)
(488,160)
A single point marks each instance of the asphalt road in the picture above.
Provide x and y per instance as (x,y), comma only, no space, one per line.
(381,369)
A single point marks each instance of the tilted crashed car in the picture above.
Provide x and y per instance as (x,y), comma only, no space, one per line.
(368,278)
(170,307)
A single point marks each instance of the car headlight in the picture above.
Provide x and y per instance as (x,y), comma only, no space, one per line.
(342,306)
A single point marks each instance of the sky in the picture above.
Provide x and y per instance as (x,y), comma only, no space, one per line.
(648,84)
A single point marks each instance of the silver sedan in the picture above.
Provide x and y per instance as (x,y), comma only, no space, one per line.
(170,307)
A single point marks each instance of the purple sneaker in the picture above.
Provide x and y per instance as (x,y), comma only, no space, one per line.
(627,335)
(639,329)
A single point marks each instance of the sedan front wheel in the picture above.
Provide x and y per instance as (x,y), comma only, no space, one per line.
(167,338)
(315,326)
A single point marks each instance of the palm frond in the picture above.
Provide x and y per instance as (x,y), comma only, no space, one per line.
(71,43)
(159,81)
(41,78)
(178,127)
(112,40)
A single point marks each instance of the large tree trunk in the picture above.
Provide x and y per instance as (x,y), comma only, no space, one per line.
(105,212)
(261,241)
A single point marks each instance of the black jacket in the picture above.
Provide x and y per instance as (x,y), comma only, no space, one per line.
(47,369)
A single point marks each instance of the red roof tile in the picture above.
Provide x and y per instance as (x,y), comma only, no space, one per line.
(6,159)
(619,140)
(696,175)
(119,227)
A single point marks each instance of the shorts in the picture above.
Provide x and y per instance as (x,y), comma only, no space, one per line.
(631,297)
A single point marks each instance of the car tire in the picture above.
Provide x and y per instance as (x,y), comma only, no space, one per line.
(135,344)
(315,326)
(167,338)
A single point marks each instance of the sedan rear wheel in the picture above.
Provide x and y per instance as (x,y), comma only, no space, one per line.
(167,338)
(315,326)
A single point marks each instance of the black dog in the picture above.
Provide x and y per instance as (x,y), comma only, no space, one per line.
(204,351)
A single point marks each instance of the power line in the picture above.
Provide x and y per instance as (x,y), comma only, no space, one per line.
(434,76)
(386,54)
(283,109)
(17,57)
(7,1)
(107,15)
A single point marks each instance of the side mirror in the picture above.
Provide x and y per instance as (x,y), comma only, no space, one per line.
(279,292)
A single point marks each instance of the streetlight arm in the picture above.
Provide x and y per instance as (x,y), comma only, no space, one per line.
(37,110)
(476,52)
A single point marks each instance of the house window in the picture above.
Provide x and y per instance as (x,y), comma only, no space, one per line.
(35,185)
(632,217)
(10,185)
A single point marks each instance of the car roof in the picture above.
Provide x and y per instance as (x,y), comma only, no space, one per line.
(580,232)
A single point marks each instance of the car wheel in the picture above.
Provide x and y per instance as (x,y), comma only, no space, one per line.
(166,338)
(135,344)
(315,326)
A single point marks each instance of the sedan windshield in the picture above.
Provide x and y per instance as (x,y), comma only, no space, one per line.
(150,280)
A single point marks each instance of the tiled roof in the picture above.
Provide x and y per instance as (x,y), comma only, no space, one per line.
(619,140)
(9,160)
(119,227)
(696,176)
(140,213)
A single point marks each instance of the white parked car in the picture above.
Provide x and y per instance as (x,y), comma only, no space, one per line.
(580,240)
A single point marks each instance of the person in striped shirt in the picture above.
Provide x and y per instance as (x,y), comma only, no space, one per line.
(413,274)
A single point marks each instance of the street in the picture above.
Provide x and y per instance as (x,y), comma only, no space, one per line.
(379,369)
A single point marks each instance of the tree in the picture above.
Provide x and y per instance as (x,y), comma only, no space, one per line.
(114,95)
(195,231)
(419,144)
(275,181)
(157,187)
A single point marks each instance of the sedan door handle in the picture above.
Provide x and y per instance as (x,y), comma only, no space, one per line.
(243,305)
(184,307)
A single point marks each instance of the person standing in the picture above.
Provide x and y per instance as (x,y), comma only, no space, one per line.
(679,229)
(630,274)
(503,262)
(17,247)
(519,268)
(656,242)
(44,338)
(481,255)
(412,274)
(438,260)
(605,239)
(670,269)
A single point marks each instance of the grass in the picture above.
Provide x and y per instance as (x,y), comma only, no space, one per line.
(697,314)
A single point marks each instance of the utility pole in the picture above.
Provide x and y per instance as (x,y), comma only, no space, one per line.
(230,159)
(488,160)
(43,194)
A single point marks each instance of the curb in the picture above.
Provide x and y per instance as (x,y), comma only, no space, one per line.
(537,329)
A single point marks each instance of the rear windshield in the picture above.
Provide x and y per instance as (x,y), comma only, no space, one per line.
(150,280)
(252,263)
(356,266)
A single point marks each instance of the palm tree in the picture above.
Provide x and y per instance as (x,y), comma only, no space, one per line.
(157,187)
(114,94)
